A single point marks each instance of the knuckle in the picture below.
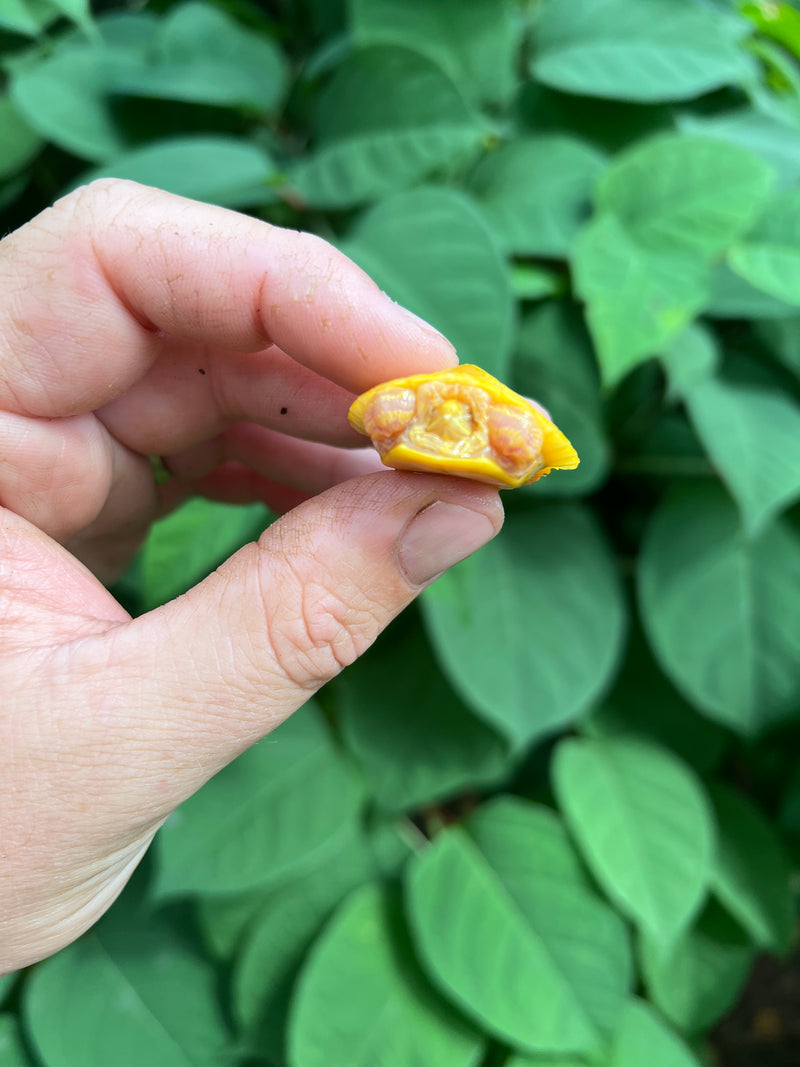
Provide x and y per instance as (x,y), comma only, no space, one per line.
(315,631)
(98,195)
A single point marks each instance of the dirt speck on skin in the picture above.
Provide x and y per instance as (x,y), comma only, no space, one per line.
(763,1029)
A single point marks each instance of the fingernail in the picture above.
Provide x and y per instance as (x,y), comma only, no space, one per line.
(423,324)
(440,536)
(540,407)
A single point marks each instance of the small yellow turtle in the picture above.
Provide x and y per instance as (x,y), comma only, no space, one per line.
(463,422)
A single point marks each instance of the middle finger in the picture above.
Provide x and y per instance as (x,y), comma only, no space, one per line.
(191,394)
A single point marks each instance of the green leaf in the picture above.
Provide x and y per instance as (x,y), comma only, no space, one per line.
(11,190)
(644,826)
(720,609)
(6,982)
(12,1052)
(227,921)
(752,436)
(128,995)
(475,43)
(267,816)
(701,978)
(554,350)
(676,191)
(19,143)
(753,872)
(643,704)
(667,447)
(361,999)
(392,842)
(224,920)
(28,17)
(778,21)
(783,338)
(555,365)
(289,917)
(543,1061)
(186,546)
(532,282)
(66,99)
(387,119)
(529,630)
(415,740)
(643,1039)
(609,125)
(623,49)
(506,926)
(535,192)
(774,141)
(731,297)
(690,360)
(134,32)
(17,18)
(76,10)
(201,55)
(769,257)
(434,253)
(638,299)
(219,170)
(585,430)
(776,91)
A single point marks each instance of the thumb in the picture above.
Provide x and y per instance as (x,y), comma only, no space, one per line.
(249,645)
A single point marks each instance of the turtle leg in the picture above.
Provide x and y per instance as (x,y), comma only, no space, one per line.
(516,438)
(388,415)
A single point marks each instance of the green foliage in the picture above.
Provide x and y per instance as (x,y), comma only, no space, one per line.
(222,170)
(701,975)
(436,254)
(129,992)
(555,784)
(415,740)
(662,50)
(265,817)
(362,997)
(720,607)
(175,556)
(384,121)
(12,1053)
(476,45)
(644,826)
(769,256)
(643,1038)
(514,882)
(535,192)
(752,866)
(549,623)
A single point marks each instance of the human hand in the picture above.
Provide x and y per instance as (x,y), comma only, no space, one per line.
(138,323)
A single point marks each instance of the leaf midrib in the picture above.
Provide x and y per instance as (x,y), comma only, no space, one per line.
(160,1024)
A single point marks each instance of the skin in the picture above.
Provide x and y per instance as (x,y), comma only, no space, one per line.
(134,323)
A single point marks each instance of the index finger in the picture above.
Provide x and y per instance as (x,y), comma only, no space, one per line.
(90,286)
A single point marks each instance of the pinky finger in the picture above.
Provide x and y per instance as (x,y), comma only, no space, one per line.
(236,483)
(306,466)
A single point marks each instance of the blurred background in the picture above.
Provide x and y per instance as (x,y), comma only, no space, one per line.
(552,819)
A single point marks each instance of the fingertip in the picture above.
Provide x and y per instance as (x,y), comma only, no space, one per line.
(423,336)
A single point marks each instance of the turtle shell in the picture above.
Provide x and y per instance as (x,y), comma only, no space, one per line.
(463,422)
